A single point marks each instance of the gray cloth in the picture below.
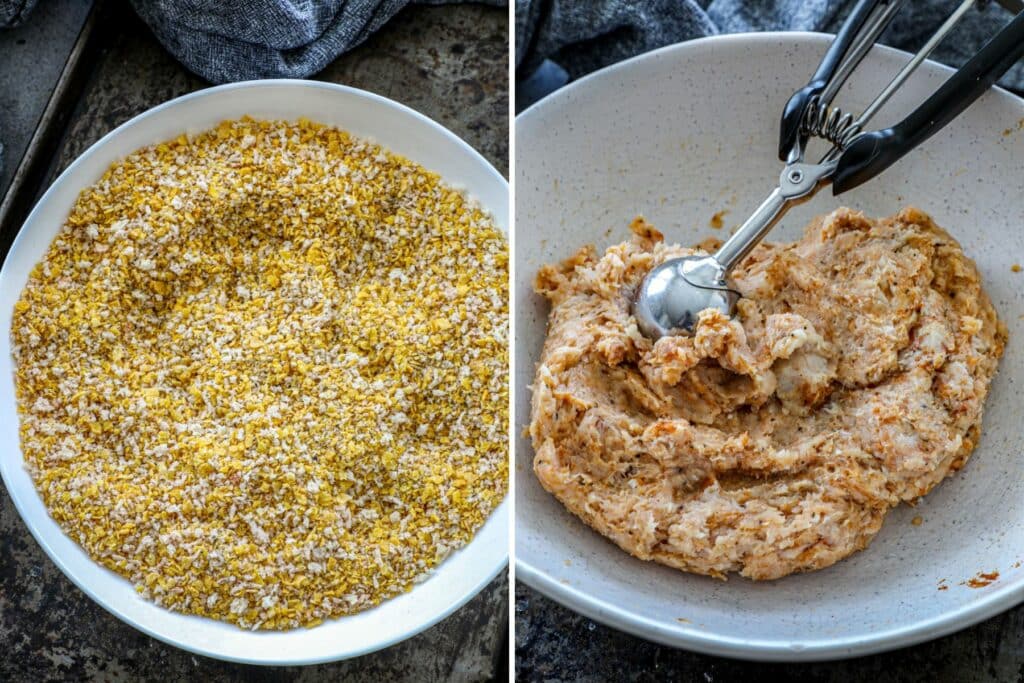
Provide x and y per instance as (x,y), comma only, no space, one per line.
(584,36)
(233,41)
(13,12)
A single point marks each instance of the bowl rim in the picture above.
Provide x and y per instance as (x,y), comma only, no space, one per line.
(500,514)
(986,605)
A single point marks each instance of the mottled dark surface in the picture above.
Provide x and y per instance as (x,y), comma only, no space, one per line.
(448,62)
(553,643)
(31,58)
(456,80)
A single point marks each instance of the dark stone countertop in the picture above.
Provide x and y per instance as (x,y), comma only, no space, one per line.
(451,63)
(553,643)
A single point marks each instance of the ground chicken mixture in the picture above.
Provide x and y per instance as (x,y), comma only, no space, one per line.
(262,373)
(852,378)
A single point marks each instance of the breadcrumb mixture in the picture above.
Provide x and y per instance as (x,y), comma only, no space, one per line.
(262,373)
(852,378)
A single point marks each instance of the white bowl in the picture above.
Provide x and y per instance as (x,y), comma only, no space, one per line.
(677,135)
(397,128)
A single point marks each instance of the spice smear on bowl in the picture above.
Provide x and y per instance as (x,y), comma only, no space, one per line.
(262,372)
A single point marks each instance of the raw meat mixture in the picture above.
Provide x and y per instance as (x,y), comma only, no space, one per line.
(852,378)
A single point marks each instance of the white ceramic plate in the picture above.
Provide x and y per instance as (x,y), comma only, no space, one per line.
(394,126)
(689,130)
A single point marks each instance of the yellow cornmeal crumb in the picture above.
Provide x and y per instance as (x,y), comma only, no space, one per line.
(262,373)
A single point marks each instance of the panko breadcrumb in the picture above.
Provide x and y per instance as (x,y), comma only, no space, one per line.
(852,378)
(262,372)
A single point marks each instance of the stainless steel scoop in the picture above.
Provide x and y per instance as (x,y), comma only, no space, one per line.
(672,295)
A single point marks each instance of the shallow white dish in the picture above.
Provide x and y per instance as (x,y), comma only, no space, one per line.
(397,128)
(678,135)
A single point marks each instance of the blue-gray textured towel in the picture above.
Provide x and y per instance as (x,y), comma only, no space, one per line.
(584,36)
(13,12)
(236,41)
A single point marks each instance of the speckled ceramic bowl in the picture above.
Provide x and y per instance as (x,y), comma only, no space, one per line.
(691,130)
(392,125)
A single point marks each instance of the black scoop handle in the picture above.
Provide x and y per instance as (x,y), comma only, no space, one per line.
(793,114)
(872,153)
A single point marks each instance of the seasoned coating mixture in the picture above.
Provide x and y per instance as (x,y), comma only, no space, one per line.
(852,378)
(262,373)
